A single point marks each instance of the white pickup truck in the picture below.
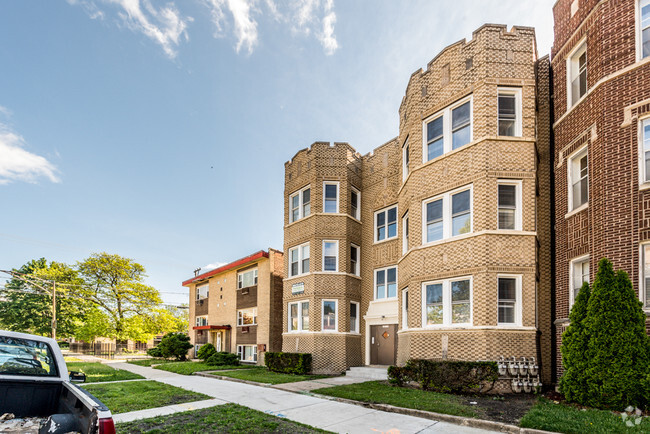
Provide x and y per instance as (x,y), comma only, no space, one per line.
(34,382)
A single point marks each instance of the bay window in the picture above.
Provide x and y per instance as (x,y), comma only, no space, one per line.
(299,316)
(299,260)
(328,315)
(447,130)
(299,204)
(447,302)
(447,215)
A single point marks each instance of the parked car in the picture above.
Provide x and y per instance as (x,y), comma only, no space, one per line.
(35,382)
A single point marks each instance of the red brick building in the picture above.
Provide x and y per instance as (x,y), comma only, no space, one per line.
(601,89)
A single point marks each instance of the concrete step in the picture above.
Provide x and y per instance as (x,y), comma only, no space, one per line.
(368,372)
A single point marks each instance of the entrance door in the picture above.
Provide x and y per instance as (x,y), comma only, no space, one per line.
(382,344)
(218,344)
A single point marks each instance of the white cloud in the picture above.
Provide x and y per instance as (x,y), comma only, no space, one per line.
(212,266)
(245,26)
(327,38)
(18,164)
(164,25)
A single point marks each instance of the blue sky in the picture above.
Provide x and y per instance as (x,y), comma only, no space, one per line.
(158,130)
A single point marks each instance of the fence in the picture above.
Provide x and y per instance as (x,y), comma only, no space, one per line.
(107,350)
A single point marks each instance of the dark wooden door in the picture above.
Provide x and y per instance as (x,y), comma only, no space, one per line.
(382,344)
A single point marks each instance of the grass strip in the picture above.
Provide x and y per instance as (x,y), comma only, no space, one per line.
(132,396)
(227,418)
(188,368)
(378,392)
(149,362)
(263,375)
(549,416)
(99,372)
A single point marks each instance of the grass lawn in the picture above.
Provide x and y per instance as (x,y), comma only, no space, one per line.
(149,362)
(96,372)
(384,393)
(188,368)
(563,418)
(138,395)
(71,359)
(262,375)
(227,418)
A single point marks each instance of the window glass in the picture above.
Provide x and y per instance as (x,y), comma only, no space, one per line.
(392,222)
(305,259)
(434,220)
(580,180)
(295,207)
(645,132)
(202,292)
(305,315)
(306,202)
(580,275)
(26,357)
(247,317)
(391,281)
(460,128)
(293,314)
(386,224)
(435,138)
(381,284)
(507,115)
(329,315)
(578,77)
(353,317)
(645,28)
(507,287)
(507,206)
(461,216)
(354,253)
(294,261)
(246,279)
(354,203)
(331,198)
(381,226)
(460,304)
(330,252)
(434,304)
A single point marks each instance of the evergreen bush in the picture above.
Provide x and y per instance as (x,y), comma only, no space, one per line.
(575,344)
(154,352)
(206,351)
(288,363)
(222,359)
(175,345)
(454,376)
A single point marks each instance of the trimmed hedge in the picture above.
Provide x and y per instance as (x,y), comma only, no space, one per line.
(206,351)
(288,363)
(223,359)
(446,375)
(154,352)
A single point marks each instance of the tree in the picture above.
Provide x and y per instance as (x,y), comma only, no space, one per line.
(27,307)
(575,342)
(175,345)
(618,354)
(115,286)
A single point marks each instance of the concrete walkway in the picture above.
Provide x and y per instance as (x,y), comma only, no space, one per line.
(317,412)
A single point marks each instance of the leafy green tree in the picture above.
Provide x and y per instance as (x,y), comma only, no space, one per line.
(575,343)
(27,308)
(175,345)
(97,324)
(114,284)
(618,356)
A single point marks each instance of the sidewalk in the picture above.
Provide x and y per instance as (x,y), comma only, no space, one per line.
(317,412)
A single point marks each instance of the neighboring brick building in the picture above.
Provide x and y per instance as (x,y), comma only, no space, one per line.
(238,306)
(601,88)
(438,243)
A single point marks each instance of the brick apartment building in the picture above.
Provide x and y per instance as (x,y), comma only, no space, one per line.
(238,306)
(438,243)
(601,88)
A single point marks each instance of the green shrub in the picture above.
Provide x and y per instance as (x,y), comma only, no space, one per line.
(618,356)
(175,345)
(399,375)
(288,363)
(222,359)
(446,376)
(575,345)
(64,345)
(154,352)
(206,351)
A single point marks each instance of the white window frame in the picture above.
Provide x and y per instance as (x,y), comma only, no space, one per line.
(577,155)
(356,320)
(374,223)
(198,291)
(572,63)
(406,159)
(240,316)
(301,271)
(516,91)
(638,5)
(336,242)
(518,202)
(644,178)
(572,264)
(385,269)
(301,325)
(301,204)
(446,303)
(357,268)
(643,290)
(241,353)
(338,196)
(405,233)
(336,315)
(198,321)
(356,215)
(405,311)
(447,226)
(240,278)
(446,127)
(518,301)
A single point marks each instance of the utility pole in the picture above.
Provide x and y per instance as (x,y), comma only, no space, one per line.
(54,310)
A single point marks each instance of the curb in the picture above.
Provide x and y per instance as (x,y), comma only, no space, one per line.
(457,420)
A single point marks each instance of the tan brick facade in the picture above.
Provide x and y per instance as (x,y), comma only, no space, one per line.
(606,120)
(494,59)
(225,299)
